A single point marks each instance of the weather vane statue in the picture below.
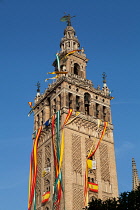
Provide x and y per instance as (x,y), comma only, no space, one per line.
(67,18)
(104,77)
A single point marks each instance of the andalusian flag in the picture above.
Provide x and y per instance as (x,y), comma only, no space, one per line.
(93,187)
(45,197)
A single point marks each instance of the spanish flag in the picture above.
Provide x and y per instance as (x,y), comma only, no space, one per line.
(93,187)
(45,197)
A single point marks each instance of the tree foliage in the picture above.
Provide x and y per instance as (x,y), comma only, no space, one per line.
(126,201)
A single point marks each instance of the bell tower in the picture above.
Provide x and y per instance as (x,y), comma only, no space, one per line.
(135,177)
(69,45)
(75,147)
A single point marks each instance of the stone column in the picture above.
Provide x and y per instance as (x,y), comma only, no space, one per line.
(46,113)
(58,98)
(73,102)
(40,118)
(82,109)
(101,112)
(91,112)
(108,117)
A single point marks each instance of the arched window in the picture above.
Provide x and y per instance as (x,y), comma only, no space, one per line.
(68,35)
(87,98)
(63,68)
(76,69)
(92,198)
(92,180)
(47,185)
(70,99)
(48,162)
(97,110)
(104,113)
(77,103)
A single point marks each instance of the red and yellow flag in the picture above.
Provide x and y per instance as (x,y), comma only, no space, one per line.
(45,197)
(33,170)
(93,187)
(30,104)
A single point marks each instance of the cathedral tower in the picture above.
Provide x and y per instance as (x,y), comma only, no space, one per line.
(135,177)
(75,153)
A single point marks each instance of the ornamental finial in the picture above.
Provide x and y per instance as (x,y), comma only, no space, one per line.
(38,87)
(104,77)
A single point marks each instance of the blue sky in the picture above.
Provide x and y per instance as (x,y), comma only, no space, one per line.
(30,33)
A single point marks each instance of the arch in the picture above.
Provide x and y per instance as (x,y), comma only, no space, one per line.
(104,112)
(47,185)
(87,98)
(92,198)
(48,162)
(63,68)
(97,110)
(76,68)
(68,34)
(77,103)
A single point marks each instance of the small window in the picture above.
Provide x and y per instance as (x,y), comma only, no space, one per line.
(70,98)
(97,110)
(104,113)
(42,114)
(77,103)
(87,98)
(92,180)
(38,124)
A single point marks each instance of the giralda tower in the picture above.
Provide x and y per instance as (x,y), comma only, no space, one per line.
(73,135)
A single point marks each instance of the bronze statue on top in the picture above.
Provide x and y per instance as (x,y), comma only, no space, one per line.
(67,18)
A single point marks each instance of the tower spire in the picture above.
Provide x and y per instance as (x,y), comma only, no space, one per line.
(38,88)
(105,88)
(104,77)
(135,178)
(69,42)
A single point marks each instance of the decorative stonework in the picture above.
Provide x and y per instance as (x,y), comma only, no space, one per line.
(104,162)
(76,153)
(77,197)
(93,196)
(47,154)
(88,145)
(46,184)
(39,171)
